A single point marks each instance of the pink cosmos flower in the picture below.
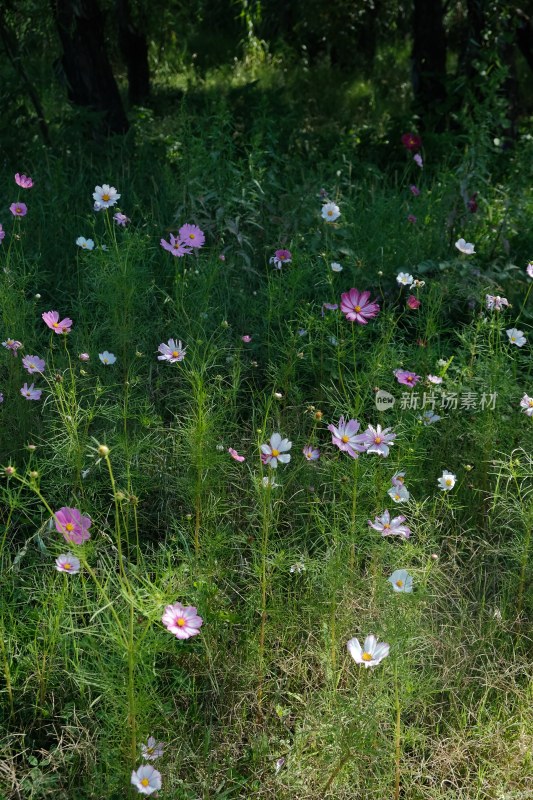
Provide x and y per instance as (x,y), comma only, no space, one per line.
(417,158)
(435,379)
(280,258)
(529,269)
(526,403)
(182,621)
(192,235)
(377,440)
(412,219)
(18,209)
(415,191)
(344,436)
(390,527)
(411,141)
(246,339)
(68,563)
(234,454)
(30,393)
(413,302)
(407,378)
(73,526)
(2,234)
(24,181)
(84,356)
(1,397)
(172,352)
(13,345)
(176,246)
(311,453)
(276,451)
(33,364)
(356,308)
(121,219)
(398,479)
(51,318)
(495,302)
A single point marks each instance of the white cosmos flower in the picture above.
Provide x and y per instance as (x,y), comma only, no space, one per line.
(146,779)
(152,749)
(336,267)
(85,244)
(276,451)
(516,337)
(526,404)
(435,379)
(399,494)
(371,653)
(401,581)
(105,196)
(465,247)
(404,279)
(107,358)
(447,480)
(330,212)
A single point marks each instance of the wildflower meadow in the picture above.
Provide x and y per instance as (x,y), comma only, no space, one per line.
(266,471)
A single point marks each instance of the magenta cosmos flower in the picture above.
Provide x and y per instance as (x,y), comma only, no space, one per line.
(234,454)
(390,527)
(192,235)
(411,141)
(176,246)
(68,563)
(413,302)
(280,258)
(246,338)
(356,308)
(276,451)
(18,209)
(24,181)
(30,392)
(51,318)
(378,440)
(33,364)
(182,621)
(415,191)
(344,436)
(172,352)
(73,526)
(406,378)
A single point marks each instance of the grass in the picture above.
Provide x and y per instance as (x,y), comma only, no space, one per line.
(282,576)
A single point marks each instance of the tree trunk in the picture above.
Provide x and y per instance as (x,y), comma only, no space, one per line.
(85,63)
(134,50)
(428,55)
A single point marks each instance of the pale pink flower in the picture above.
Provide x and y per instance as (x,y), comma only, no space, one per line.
(24,181)
(390,527)
(371,653)
(105,196)
(176,246)
(413,302)
(377,440)
(68,563)
(2,234)
(344,436)
(417,158)
(192,236)
(276,451)
(182,621)
(30,393)
(51,318)
(18,209)
(415,191)
(172,352)
(406,378)
(526,403)
(121,219)
(398,479)
(146,779)
(84,356)
(529,269)
(152,749)
(234,454)
(435,379)
(13,345)
(356,308)
(246,339)
(73,526)
(311,453)
(495,302)
(33,364)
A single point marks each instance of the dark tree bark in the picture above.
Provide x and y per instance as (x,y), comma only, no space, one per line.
(428,55)
(134,49)
(524,36)
(85,63)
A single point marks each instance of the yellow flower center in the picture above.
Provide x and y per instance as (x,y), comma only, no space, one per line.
(176,354)
(330,213)
(397,497)
(55,324)
(180,622)
(531,403)
(191,235)
(357,308)
(399,583)
(367,657)
(145,782)
(345,439)
(67,566)
(409,379)
(377,440)
(448,482)
(386,525)
(275,453)
(105,198)
(69,526)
